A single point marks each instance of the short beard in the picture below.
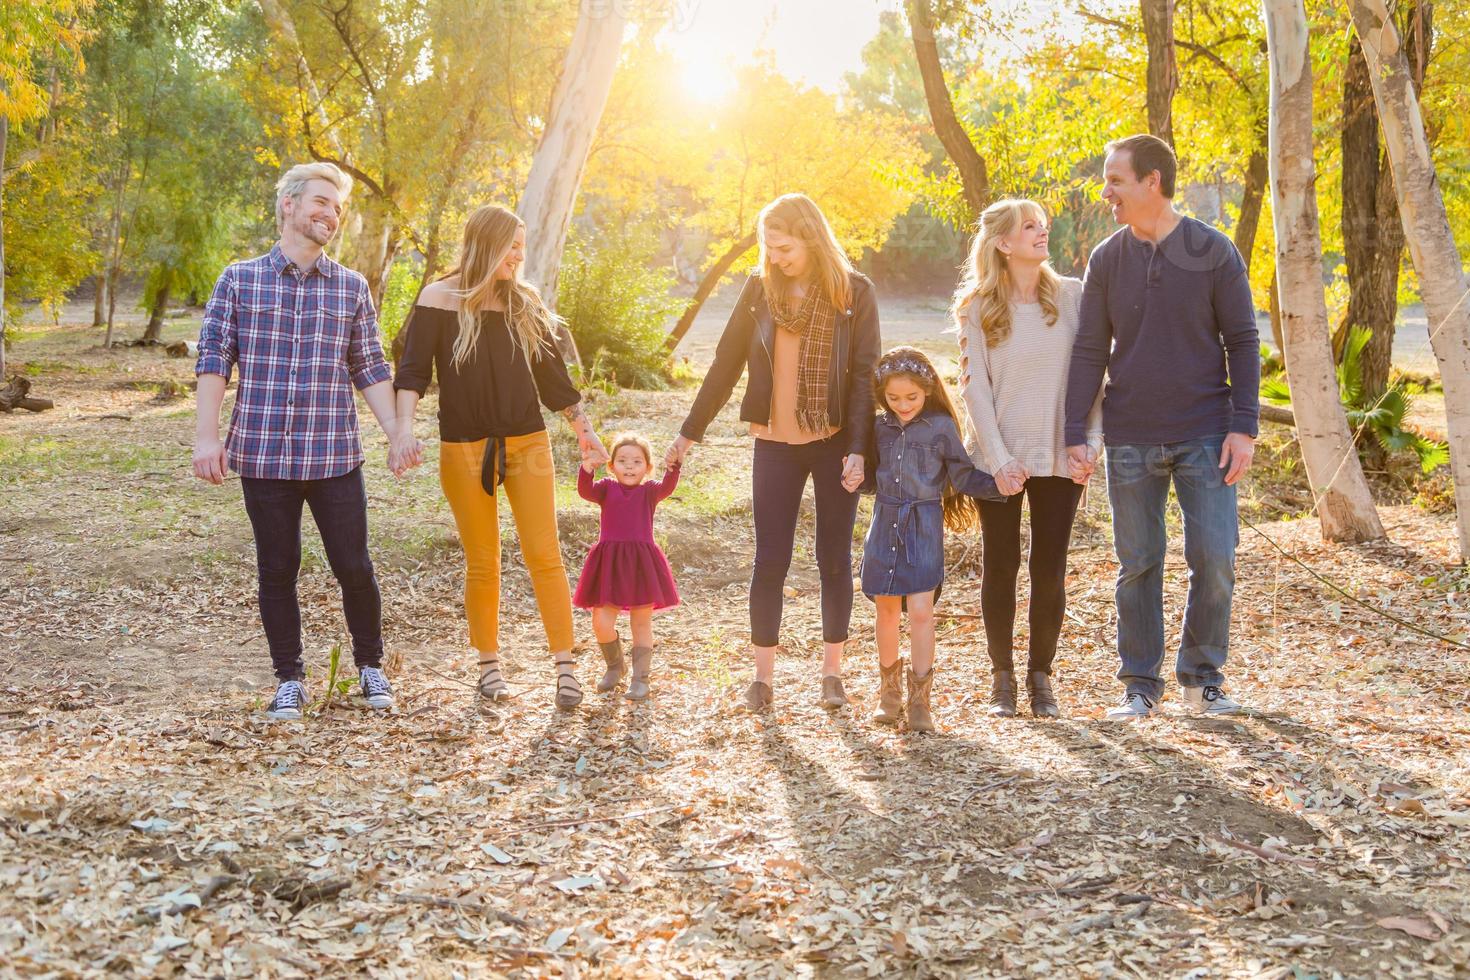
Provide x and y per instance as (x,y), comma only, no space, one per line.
(306,228)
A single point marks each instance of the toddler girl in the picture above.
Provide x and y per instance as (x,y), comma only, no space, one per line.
(626,569)
(925,480)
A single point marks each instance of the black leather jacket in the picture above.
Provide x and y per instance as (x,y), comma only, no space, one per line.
(747,342)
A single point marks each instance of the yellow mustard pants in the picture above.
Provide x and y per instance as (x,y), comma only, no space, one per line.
(530,486)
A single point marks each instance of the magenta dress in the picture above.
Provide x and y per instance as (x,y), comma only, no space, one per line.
(626,568)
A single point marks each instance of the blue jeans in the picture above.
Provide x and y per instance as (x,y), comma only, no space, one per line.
(1138,489)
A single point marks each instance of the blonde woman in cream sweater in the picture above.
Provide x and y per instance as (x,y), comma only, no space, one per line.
(1016,320)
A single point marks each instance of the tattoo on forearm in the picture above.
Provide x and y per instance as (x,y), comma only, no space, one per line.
(577,418)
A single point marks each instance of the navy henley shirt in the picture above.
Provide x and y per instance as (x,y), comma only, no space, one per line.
(1164,323)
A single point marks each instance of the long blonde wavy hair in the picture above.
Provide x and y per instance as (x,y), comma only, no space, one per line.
(985,289)
(798,216)
(489,234)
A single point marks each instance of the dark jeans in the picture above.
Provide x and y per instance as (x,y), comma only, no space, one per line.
(1138,488)
(1053,501)
(778,479)
(339,507)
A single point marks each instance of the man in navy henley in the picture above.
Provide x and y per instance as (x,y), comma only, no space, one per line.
(1167,314)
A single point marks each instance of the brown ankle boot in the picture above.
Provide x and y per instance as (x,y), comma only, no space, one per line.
(1003,694)
(919,718)
(890,694)
(612,652)
(638,683)
(1043,699)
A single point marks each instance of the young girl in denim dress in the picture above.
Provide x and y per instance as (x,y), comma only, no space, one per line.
(924,481)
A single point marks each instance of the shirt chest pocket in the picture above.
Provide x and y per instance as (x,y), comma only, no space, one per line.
(328,330)
(924,466)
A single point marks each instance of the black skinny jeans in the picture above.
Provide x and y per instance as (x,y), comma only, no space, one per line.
(778,479)
(1053,502)
(339,507)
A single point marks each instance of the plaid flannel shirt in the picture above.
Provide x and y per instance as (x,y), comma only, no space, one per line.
(302,340)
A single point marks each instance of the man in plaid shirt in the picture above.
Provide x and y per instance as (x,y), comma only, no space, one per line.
(303,332)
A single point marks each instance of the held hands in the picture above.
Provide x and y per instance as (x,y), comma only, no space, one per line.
(209,459)
(1081,461)
(404,450)
(677,450)
(852,472)
(594,453)
(1010,478)
(1236,453)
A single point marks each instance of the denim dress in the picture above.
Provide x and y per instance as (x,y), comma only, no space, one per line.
(904,550)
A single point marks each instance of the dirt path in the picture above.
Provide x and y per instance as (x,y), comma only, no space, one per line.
(681,837)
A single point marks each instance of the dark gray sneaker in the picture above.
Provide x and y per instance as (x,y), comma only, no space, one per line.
(289,700)
(373,685)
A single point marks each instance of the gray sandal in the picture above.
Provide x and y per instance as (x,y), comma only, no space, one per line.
(492,683)
(568,691)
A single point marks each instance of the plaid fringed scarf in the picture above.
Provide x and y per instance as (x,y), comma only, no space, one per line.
(813,322)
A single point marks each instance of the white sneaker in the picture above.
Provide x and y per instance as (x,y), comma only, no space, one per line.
(1135,705)
(288,702)
(373,685)
(1210,701)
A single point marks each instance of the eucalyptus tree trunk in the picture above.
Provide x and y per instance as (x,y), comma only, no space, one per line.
(556,169)
(974,177)
(1163,71)
(1442,279)
(1343,501)
(4,138)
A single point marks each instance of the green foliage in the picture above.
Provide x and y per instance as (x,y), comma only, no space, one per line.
(1381,424)
(401,289)
(618,305)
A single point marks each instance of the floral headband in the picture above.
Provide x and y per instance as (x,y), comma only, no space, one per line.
(906,365)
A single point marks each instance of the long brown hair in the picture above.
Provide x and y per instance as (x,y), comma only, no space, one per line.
(489,234)
(987,278)
(960,510)
(798,216)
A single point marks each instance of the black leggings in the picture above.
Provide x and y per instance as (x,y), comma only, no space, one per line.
(1053,507)
(778,479)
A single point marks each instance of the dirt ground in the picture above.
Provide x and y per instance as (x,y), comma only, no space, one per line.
(153,824)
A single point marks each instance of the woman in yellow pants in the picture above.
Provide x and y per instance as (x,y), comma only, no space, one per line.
(490,338)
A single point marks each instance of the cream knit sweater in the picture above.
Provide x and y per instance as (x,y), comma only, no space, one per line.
(1016,391)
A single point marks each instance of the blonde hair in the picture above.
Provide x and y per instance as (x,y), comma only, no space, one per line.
(986,284)
(632,439)
(489,234)
(293,184)
(798,216)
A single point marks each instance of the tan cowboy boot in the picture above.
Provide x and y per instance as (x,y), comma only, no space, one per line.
(638,683)
(890,694)
(919,719)
(612,652)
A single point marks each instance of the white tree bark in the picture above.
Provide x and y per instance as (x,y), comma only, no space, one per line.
(1339,490)
(279,21)
(1442,280)
(4,135)
(556,169)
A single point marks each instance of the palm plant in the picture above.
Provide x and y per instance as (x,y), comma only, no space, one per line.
(1378,424)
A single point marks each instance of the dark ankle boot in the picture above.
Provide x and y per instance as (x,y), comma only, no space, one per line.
(1043,699)
(1003,694)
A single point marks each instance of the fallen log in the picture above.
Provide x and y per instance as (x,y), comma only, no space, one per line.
(1277,414)
(16,394)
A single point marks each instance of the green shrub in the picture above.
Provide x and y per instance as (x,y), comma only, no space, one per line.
(618,305)
(398,296)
